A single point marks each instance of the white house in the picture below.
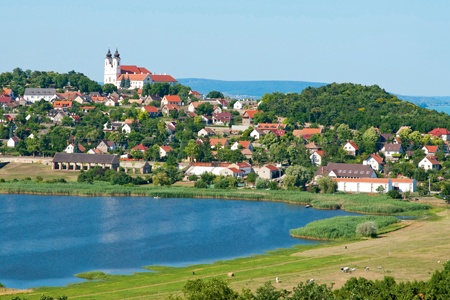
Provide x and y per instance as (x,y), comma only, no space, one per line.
(243,166)
(36,94)
(164,150)
(257,134)
(351,148)
(12,142)
(429,163)
(205,132)
(392,151)
(316,157)
(375,162)
(243,145)
(268,172)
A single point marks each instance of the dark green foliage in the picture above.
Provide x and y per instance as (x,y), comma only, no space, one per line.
(215,288)
(394,194)
(356,105)
(215,94)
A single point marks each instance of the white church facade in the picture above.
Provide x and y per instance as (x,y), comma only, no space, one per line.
(130,76)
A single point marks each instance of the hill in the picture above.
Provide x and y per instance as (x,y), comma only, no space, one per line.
(356,105)
(247,89)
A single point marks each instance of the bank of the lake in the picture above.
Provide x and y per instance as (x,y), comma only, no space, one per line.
(360,203)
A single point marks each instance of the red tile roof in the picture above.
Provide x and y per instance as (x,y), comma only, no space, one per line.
(245,144)
(234,170)
(140,147)
(172,98)
(162,78)
(166,148)
(133,70)
(132,77)
(377,158)
(251,113)
(150,109)
(439,132)
(272,168)
(431,149)
(353,145)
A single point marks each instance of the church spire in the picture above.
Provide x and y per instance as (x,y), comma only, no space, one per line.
(108,55)
(116,54)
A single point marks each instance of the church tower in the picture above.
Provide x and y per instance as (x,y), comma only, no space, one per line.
(112,67)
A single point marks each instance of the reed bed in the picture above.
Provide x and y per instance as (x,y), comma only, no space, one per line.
(340,227)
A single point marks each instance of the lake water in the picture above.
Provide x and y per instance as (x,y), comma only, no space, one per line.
(45,240)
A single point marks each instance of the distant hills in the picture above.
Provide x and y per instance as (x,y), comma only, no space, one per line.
(257,88)
(247,89)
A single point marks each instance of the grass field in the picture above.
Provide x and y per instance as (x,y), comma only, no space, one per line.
(20,171)
(412,253)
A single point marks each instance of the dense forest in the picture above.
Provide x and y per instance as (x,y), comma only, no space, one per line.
(356,105)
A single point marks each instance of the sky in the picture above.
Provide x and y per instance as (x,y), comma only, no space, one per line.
(403,45)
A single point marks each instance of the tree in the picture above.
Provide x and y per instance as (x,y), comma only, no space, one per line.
(109,88)
(327,185)
(205,109)
(367,229)
(251,177)
(161,179)
(215,94)
(192,150)
(298,176)
(215,288)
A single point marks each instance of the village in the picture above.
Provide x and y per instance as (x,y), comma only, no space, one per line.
(137,131)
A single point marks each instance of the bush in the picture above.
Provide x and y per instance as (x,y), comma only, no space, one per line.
(367,229)
(201,184)
(39,179)
(394,194)
(193,177)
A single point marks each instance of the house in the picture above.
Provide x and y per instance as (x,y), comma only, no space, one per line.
(392,151)
(36,94)
(230,171)
(95,151)
(247,153)
(316,157)
(217,110)
(192,107)
(268,172)
(111,102)
(340,170)
(139,147)
(168,108)
(442,133)
(248,117)
(312,147)
(57,115)
(374,185)
(62,105)
(238,105)
(351,148)
(164,150)
(171,127)
(205,132)
(223,103)
(429,163)
(221,118)
(306,133)
(195,94)
(243,166)
(242,145)
(430,150)
(375,161)
(126,128)
(135,81)
(171,99)
(216,142)
(257,134)
(106,146)
(270,126)
(152,111)
(83,99)
(143,167)
(83,161)
(71,148)
(279,132)
(12,142)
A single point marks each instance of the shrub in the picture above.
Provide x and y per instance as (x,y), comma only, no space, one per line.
(394,194)
(367,229)
(39,178)
(193,177)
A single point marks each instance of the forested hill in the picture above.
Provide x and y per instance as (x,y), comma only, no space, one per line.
(356,105)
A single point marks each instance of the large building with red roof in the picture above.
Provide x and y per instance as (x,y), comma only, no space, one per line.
(137,77)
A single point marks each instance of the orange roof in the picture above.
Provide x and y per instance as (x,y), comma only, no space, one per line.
(166,148)
(132,77)
(431,149)
(377,158)
(268,126)
(140,147)
(7,91)
(439,131)
(172,107)
(214,142)
(150,109)
(129,69)
(234,170)
(401,180)
(245,144)
(374,180)
(87,107)
(172,98)
(306,131)
(62,104)
(162,78)
(69,95)
(319,152)
(272,168)
(353,145)
(251,113)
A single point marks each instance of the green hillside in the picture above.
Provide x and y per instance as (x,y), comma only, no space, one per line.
(356,105)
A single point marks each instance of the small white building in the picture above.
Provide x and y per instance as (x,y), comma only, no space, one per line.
(36,94)
(316,157)
(429,163)
(12,142)
(375,162)
(374,185)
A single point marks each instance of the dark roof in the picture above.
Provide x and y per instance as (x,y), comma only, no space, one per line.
(346,170)
(40,91)
(86,158)
(393,147)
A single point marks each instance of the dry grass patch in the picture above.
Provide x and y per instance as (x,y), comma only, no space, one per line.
(23,170)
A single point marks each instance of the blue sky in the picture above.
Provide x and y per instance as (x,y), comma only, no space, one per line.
(403,46)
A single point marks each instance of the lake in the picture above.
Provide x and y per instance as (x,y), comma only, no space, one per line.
(45,240)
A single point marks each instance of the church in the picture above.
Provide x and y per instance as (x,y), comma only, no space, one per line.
(129,76)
